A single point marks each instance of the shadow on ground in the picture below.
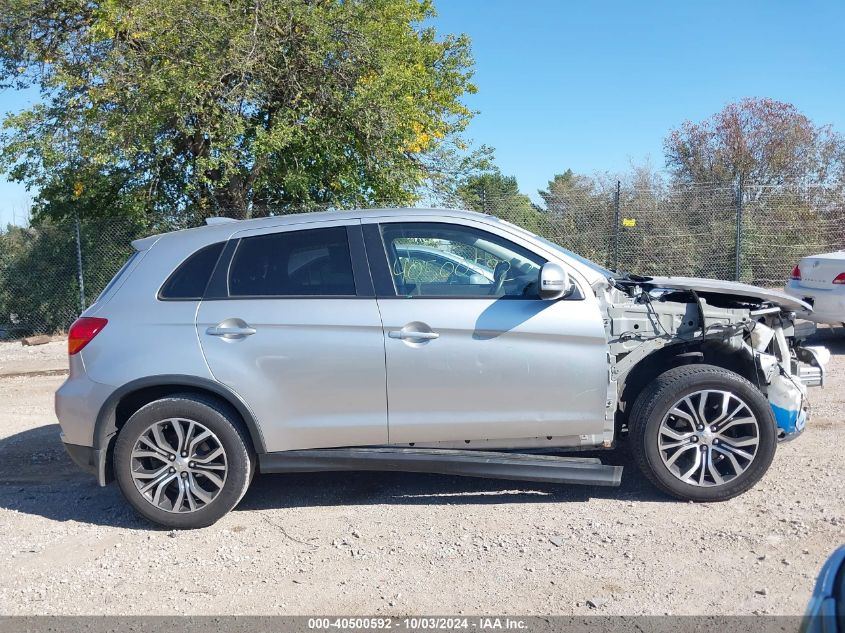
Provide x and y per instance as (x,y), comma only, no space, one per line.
(37,477)
(363,488)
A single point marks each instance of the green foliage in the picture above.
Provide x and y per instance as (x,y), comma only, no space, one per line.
(499,195)
(240,107)
(38,290)
(39,273)
(784,224)
(578,211)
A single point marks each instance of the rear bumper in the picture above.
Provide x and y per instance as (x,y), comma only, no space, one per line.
(78,402)
(828,305)
(91,460)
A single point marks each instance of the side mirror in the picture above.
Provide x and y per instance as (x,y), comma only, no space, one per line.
(553,282)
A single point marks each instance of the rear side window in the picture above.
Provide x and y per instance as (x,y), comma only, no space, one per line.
(293,263)
(190,279)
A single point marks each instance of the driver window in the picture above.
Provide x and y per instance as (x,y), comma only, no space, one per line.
(449,260)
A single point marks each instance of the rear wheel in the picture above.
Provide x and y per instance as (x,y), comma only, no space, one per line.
(703,433)
(183,461)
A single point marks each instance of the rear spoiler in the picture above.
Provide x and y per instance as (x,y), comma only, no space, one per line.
(145,243)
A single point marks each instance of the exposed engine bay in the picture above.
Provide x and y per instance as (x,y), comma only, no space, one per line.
(669,321)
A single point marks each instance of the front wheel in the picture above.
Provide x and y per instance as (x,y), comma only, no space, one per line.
(183,461)
(703,433)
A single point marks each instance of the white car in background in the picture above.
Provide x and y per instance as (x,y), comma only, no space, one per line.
(820,281)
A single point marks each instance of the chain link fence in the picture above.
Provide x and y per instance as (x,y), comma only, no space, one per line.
(50,272)
(754,234)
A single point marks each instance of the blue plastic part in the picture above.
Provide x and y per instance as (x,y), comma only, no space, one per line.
(789,420)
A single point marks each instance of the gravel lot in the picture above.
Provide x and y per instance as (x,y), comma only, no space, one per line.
(383,543)
(17,359)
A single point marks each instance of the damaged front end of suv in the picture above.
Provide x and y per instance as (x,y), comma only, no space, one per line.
(656,323)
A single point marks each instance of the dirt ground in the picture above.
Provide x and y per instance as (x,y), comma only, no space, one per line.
(17,359)
(384,543)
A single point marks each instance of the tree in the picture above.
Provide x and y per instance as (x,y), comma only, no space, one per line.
(567,192)
(580,213)
(494,193)
(38,285)
(774,151)
(763,141)
(242,107)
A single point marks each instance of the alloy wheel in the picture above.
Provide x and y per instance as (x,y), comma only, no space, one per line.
(178,465)
(708,438)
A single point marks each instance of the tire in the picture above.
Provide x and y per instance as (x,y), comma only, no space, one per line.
(204,492)
(657,424)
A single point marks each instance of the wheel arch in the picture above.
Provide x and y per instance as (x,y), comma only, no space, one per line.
(127,399)
(711,352)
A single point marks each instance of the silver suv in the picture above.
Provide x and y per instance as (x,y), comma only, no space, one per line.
(419,340)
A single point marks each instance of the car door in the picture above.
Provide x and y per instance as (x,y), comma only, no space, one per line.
(290,323)
(473,358)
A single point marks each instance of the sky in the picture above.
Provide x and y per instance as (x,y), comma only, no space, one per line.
(593,86)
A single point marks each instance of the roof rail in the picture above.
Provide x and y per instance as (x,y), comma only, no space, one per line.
(219,220)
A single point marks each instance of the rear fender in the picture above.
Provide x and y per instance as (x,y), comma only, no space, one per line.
(151,388)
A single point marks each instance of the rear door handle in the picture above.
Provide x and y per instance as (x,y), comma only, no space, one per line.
(231,330)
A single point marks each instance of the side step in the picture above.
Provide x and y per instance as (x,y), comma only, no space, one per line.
(467,463)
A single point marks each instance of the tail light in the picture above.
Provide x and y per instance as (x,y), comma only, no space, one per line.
(82,332)
(839,279)
(796,273)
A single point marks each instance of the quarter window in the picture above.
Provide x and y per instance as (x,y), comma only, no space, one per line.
(293,263)
(443,260)
(188,282)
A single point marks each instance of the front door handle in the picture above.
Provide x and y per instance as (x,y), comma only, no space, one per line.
(406,335)
(414,333)
(231,329)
